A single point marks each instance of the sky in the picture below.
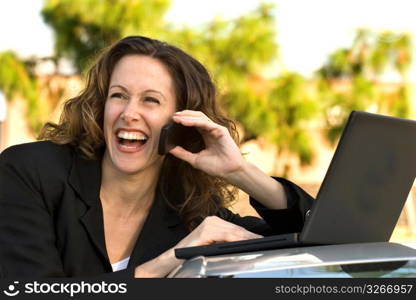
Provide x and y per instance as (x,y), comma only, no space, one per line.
(307,30)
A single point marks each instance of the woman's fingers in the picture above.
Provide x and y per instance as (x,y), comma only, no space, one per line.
(191,113)
(230,230)
(205,125)
(215,230)
(181,153)
(221,155)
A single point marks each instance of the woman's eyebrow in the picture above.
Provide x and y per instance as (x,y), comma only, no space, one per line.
(119,86)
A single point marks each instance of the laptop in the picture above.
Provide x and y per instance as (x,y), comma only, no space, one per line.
(362,195)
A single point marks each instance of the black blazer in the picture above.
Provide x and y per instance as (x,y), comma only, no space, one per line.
(51,220)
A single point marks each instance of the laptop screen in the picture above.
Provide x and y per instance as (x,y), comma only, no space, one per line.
(367,182)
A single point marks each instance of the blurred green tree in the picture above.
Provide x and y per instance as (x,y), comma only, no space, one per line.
(293,105)
(277,109)
(235,51)
(352,78)
(16,79)
(83,27)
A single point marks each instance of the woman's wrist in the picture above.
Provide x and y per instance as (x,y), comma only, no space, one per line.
(238,176)
(159,266)
(259,185)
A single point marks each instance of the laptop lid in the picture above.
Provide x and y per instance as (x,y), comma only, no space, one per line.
(367,182)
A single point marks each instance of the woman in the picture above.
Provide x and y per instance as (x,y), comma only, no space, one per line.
(96,196)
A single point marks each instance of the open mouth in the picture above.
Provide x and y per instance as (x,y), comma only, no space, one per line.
(132,140)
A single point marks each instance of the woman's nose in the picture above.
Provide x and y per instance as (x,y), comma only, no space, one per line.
(131,113)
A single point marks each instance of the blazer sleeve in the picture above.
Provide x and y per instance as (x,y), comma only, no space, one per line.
(27,238)
(276,221)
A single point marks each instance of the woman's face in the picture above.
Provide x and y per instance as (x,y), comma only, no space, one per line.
(140,100)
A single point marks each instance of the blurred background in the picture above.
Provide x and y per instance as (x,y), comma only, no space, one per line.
(288,71)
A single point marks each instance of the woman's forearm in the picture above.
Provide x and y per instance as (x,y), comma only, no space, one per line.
(259,185)
(158,267)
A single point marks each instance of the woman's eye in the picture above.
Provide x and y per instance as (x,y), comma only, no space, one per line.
(117,95)
(151,99)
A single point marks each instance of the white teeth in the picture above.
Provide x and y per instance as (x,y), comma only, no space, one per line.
(131,135)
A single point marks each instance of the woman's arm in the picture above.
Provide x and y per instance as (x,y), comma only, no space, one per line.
(222,158)
(211,230)
(259,186)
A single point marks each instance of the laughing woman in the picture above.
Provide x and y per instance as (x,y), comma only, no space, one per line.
(95,197)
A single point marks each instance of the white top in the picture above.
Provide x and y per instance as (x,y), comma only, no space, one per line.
(120,265)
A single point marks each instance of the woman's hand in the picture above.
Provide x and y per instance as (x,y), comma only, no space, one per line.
(211,230)
(221,156)
(215,230)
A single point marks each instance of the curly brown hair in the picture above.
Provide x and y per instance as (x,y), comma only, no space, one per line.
(81,124)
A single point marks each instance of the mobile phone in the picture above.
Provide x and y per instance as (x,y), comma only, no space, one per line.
(175,134)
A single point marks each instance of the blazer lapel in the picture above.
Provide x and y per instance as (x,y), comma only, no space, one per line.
(162,230)
(85,179)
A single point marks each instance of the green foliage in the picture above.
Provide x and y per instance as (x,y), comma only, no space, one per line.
(239,47)
(236,51)
(402,107)
(339,65)
(14,77)
(251,110)
(370,54)
(83,27)
(15,80)
(350,79)
(293,107)
(403,57)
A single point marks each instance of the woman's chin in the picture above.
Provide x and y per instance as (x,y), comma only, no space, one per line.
(130,169)
(136,166)
(128,165)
